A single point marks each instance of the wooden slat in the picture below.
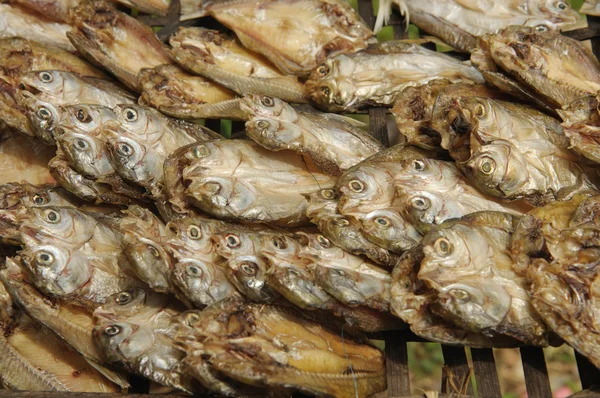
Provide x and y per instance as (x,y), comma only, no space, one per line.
(486,373)
(378,125)
(365,9)
(456,370)
(536,373)
(588,373)
(396,355)
(587,393)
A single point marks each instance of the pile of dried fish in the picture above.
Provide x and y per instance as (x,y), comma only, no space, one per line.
(136,240)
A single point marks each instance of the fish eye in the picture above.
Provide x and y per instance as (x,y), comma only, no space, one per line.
(267,101)
(325,91)
(123,298)
(191,319)
(232,241)
(338,272)
(561,5)
(112,330)
(342,222)
(173,229)
(125,149)
(201,151)
(213,187)
(39,200)
(442,246)
(130,114)
(44,258)
(154,251)
(262,124)
(46,77)
(43,113)
(81,144)
(459,294)
(249,268)
(479,110)
(193,271)
(323,69)
(194,232)
(83,116)
(541,28)
(356,186)
(420,203)
(327,193)
(384,221)
(52,216)
(279,243)
(293,272)
(419,165)
(323,241)
(487,165)
(302,239)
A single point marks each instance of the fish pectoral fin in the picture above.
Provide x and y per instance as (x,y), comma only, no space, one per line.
(385,11)
(118,378)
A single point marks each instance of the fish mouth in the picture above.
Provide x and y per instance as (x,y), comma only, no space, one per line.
(459,120)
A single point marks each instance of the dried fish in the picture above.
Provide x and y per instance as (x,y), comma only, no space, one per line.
(295,35)
(113,39)
(334,143)
(590,7)
(581,122)
(388,229)
(222,58)
(376,76)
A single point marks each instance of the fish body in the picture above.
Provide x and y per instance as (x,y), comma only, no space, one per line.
(581,122)
(375,76)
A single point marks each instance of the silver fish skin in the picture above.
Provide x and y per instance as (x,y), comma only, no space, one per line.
(459,23)
(484,292)
(71,323)
(581,122)
(16,20)
(343,231)
(84,118)
(590,7)
(222,58)
(250,183)
(314,29)
(388,229)
(375,76)
(333,142)
(349,278)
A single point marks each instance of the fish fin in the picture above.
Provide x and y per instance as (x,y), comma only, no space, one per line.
(385,11)
(119,379)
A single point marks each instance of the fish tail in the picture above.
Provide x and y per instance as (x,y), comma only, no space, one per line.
(385,11)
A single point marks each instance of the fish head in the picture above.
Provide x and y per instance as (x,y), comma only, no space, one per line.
(388,225)
(279,246)
(57,223)
(128,303)
(453,249)
(84,118)
(559,12)
(122,342)
(462,118)
(235,243)
(43,116)
(133,160)
(342,282)
(498,169)
(316,247)
(274,133)
(426,209)
(222,195)
(56,271)
(206,155)
(140,122)
(330,83)
(50,82)
(85,153)
(249,274)
(149,261)
(16,55)
(263,106)
(363,187)
(197,280)
(191,233)
(480,304)
(297,284)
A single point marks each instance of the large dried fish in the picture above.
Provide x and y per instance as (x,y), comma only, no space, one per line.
(547,67)
(16,20)
(288,352)
(239,180)
(376,76)
(467,263)
(295,35)
(220,57)
(460,22)
(120,43)
(177,93)
(333,142)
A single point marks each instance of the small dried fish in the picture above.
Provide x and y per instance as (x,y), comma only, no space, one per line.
(376,76)
(295,35)
(288,352)
(113,39)
(16,20)
(177,93)
(590,7)
(581,121)
(388,229)
(460,22)
(239,180)
(547,67)
(334,143)
(220,57)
